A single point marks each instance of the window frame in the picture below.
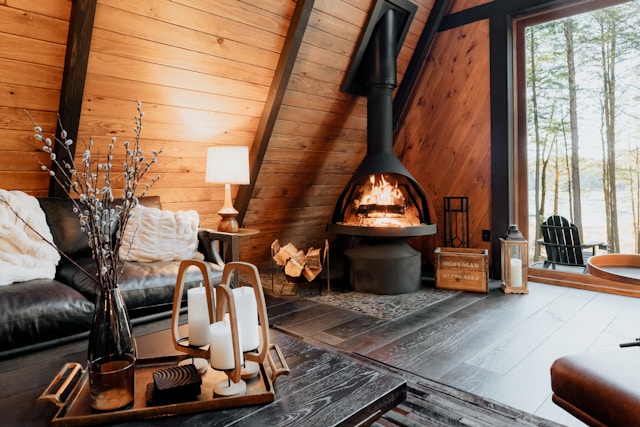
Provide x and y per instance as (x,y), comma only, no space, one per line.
(520,161)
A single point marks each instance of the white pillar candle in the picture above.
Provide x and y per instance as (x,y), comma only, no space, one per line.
(516,273)
(247,311)
(198,316)
(222,357)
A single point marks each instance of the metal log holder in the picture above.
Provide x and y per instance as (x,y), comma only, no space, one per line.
(326,270)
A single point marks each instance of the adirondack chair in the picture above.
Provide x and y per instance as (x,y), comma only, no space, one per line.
(563,246)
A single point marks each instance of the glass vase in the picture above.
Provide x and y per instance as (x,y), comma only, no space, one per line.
(111,354)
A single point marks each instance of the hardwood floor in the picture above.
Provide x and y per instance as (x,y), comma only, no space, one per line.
(493,345)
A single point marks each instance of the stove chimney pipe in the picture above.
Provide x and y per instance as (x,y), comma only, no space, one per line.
(380,61)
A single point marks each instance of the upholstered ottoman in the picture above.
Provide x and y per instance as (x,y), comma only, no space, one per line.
(599,388)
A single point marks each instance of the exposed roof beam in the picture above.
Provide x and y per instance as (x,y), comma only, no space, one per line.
(439,10)
(73,78)
(297,28)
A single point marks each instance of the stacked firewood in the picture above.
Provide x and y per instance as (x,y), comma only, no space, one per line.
(296,262)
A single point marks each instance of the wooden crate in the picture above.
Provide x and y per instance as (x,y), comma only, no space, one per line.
(462,269)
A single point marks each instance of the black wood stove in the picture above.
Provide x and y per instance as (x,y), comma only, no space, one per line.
(382,205)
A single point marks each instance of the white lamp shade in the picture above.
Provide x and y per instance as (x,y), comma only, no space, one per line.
(227,164)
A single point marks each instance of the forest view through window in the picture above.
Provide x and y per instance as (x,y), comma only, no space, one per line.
(583,126)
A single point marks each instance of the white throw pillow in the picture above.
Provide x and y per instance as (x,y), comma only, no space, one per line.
(158,235)
(24,255)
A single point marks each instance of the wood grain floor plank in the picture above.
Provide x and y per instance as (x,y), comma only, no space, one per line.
(356,326)
(381,335)
(287,309)
(314,405)
(497,346)
(317,319)
(435,349)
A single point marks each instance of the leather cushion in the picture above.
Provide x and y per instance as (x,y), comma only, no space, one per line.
(143,285)
(41,310)
(599,387)
(65,225)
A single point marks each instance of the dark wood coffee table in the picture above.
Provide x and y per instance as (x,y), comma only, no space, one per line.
(324,387)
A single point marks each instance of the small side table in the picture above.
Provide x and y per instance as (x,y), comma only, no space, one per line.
(243,232)
(230,241)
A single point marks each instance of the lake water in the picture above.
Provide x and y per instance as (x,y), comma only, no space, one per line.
(594,220)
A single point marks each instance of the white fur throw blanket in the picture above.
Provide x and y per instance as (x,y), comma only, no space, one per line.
(157,235)
(23,254)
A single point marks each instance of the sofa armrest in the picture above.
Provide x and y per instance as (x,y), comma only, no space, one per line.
(218,247)
(600,388)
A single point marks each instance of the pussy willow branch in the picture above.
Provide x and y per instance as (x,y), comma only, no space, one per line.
(94,204)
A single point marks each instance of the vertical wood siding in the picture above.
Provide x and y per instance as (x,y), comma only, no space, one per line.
(445,140)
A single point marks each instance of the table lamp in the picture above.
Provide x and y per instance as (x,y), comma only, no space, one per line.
(228,165)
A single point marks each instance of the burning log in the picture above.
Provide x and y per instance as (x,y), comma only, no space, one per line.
(296,263)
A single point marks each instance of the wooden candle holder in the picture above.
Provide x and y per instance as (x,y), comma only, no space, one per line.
(182,343)
(225,303)
(263,352)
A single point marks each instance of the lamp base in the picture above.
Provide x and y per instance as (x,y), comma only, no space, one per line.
(228,223)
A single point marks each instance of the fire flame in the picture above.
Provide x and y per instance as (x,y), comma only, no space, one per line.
(382,193)
(381,204)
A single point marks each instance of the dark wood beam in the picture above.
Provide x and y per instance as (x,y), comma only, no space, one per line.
(279,84)
(438,12)
(505,9)
(502,140)
(73,78)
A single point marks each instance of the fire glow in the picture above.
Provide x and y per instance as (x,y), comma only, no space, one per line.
(381,204)
(382,192)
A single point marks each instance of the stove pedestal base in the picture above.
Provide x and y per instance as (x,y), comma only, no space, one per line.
(384,267)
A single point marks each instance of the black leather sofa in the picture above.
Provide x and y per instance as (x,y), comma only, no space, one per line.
(40,313)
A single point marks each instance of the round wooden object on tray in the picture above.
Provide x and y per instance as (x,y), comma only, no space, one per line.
(624,268)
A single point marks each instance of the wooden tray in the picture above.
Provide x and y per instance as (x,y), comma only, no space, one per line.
(623,268)
(75,408)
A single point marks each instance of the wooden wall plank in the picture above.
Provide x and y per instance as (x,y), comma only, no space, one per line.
(59,9)
(33,43)
(179,32)
(460,5)
(111,43)
(35,21)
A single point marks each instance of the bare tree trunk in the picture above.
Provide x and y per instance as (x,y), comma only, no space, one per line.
(636,201)
(556,179)
(567,162)
(539,184)
(634,179)
(608,58)
(573,120)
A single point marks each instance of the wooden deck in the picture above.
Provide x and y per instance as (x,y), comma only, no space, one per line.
(493,345)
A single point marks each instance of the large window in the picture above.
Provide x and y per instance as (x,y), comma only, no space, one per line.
(578,74)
